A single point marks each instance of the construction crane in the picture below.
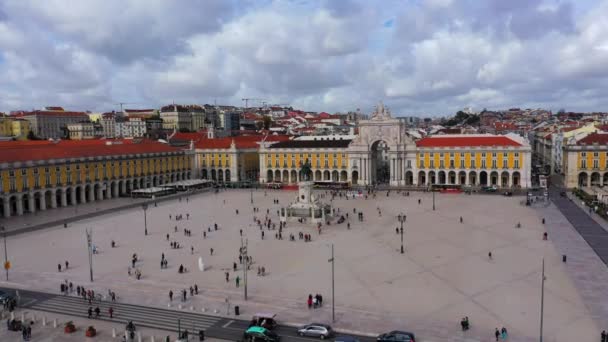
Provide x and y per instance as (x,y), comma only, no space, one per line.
(250,99)
(123,103)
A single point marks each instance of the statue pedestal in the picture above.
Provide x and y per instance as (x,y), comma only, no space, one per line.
(306,207)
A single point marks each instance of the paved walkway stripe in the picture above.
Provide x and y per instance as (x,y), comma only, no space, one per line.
(150,317)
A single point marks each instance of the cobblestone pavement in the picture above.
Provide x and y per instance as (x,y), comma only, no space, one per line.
(444,275)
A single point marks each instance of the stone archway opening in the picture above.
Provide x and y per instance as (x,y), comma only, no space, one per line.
(462,177)
(355,177)
(582,179)
(380,168)
(595,179)
(483,178)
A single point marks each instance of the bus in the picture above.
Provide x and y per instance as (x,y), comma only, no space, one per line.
(446,188)
(331,185)
(274,185)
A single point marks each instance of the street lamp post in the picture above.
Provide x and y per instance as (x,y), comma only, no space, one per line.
(251,194)
(433,199)
(542,301)
(402,218)
(6,264)
(245,264)
(333,292)
(145,208)
(89,234)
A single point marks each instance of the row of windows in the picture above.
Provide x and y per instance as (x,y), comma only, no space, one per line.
(596,164)
(462,155)
(473,164)
(595,154)
(98,173)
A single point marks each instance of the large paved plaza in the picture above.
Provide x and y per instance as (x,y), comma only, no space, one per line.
(444,275)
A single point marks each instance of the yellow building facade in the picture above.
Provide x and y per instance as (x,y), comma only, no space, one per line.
(38,179)
(586,161)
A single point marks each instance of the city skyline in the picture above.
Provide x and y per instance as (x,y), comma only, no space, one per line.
(427,58)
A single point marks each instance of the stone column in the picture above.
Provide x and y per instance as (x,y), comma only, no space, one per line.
(54,198)
(108,191)
(83,194)
(99,193)
(7,207)
(92,192)
(31,203)
(64,198)
(43,201)
(115,189)
(19,205)
(74,197)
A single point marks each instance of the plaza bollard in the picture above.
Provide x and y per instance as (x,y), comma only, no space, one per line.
(204,310)
(138,336)
(34,318)
(152,339)
(191,308)
(12,316)
(169,305)
(216,311)
(179,306)
(113,332)
(22,317)
(55,323)
(43,321)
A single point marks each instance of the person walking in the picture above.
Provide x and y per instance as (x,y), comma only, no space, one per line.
(211,250)
(503,333)
(227,277)
(490,255)
(604,336)
(97,312)
(238,281)
(309,301)
(170,295)
(111,312)
(497,334)
(59,267)
(90,312)
(66,264)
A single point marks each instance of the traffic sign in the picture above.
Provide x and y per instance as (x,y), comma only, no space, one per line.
(7,265)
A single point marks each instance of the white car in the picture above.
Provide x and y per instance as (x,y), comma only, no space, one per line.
(319,330)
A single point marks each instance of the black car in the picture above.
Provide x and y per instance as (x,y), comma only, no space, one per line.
(397,336)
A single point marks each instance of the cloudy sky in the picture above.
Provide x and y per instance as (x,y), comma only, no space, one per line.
(421,57)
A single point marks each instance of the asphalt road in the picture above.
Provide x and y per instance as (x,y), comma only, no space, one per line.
(590,230)
(151,317)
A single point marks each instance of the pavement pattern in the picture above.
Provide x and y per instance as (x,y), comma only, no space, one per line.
(168,320)
(444,275)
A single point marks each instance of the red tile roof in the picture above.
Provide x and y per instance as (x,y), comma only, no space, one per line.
(51,113)
(21,151)
(466,141)
(241,142)
(593,138)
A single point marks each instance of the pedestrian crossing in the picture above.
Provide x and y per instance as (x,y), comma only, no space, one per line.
(144,316)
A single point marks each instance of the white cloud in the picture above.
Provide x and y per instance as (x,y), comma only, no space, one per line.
(438,56)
